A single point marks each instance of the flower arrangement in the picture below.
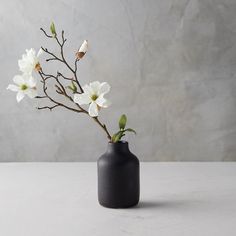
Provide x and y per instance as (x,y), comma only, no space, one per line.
(91,95)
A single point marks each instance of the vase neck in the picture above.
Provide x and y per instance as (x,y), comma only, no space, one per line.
(118,147)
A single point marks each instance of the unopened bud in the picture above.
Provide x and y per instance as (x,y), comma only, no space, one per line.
(53,29)
(73,87)
(82,50)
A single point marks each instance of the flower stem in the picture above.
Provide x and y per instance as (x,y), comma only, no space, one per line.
(103,126)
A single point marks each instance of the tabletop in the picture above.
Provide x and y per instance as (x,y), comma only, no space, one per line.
(60,199)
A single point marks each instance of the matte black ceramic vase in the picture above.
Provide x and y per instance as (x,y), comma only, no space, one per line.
(118,177)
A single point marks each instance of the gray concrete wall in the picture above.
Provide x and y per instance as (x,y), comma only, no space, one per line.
(171,65)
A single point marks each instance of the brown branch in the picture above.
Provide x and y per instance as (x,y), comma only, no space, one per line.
(66,78)
(76,65)
(51,59)
(52,54)
(54,101)
(58,89)
(59,86)
(62,36)
(75,74)
(62,59)
(47,107)
(49,36)
(103,126)
(41,97)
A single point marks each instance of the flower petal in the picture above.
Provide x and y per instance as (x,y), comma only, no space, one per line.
(28,61)
(32,93)
(95,86)
(40,52)
(84,47)
(30,52)
(18,79)
(20,95)
(93,109)
(104,88)
(13,87)
(82,99)
(25,67)
(88,90)
(31,82)
(102,102)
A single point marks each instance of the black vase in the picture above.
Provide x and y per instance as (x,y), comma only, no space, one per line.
(118,177)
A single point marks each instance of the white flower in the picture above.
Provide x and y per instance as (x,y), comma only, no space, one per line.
(94,96)
(82,50)
(30,61)
(24,85)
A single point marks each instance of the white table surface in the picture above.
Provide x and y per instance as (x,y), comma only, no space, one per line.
(60,199)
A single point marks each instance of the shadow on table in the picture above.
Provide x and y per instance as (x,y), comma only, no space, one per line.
(171,204)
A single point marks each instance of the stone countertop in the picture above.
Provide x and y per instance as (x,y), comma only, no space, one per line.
(60,199)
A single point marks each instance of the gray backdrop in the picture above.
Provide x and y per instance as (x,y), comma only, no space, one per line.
(171,65)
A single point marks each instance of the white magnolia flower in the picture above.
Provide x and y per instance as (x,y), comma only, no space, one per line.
(24,85)
(82,50)
(94,96)
(30,61)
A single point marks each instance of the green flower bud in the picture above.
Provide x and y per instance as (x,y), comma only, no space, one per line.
(53,29)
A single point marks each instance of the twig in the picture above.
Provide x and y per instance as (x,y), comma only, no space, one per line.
(52,54)
(62,36)
(49,36)
(51,59)
(41,97)
(58,89)
(62,59)
(66,78)
(103,126)
(54,101)
(47,107)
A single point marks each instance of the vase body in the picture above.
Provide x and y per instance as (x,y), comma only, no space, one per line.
(118,177)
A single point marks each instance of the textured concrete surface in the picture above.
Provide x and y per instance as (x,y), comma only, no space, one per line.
(58,199)
(171,65)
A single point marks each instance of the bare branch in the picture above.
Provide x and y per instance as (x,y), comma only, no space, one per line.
(76,65)
(60,89)
(41,97)
(51,59)
(62,59)
(52,54)
(62,36)
(47,107)
(74,71)
(47,35)
(103,126)
(64,77)
(80,110)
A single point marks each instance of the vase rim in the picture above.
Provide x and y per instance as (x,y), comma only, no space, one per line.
(119,142)
(120,146)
